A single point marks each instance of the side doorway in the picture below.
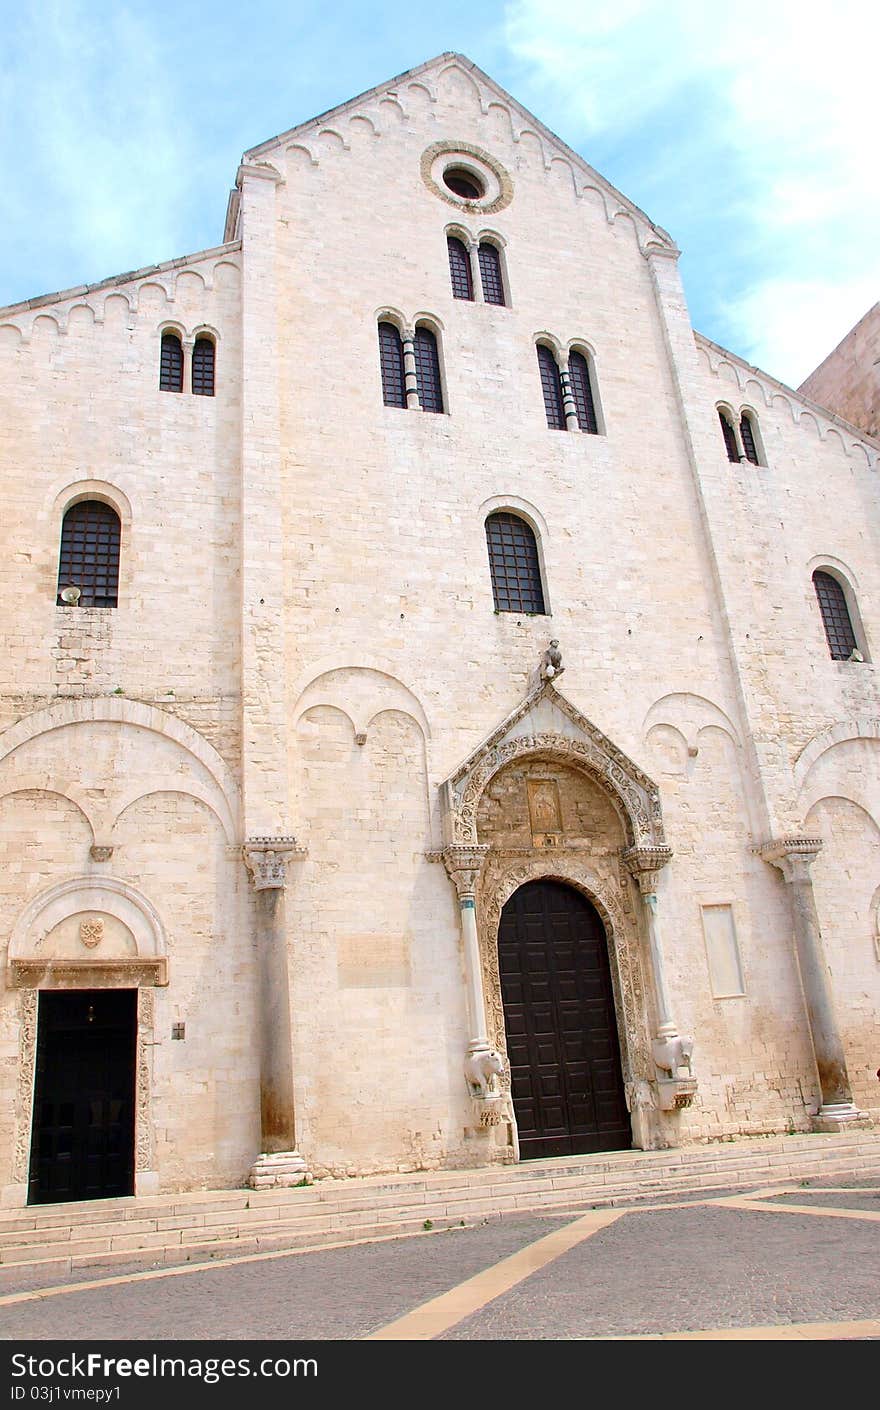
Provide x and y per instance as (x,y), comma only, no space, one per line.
(82,1142)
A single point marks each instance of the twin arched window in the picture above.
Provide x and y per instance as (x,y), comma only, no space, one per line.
(89,559)
(427,391)
(581,412)
(513,564)
(461,271)
(171,365)
(748,438)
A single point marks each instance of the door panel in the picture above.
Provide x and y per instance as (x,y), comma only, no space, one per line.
(561,1028)
(82,1144)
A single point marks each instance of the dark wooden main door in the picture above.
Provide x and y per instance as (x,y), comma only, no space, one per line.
(82,1145)
(559,1016)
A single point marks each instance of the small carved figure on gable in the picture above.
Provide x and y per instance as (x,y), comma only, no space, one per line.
(552,663)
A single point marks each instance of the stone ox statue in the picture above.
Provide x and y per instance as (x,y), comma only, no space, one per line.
(482,1071)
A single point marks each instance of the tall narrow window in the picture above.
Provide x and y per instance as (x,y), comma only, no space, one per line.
(89,559)
(391,365)
(459,268)
(835,616)
(490,273)
(729,435)
(203,367)
(551,386)
(428,370)
(171,364)
(582,391)
(513,564)
(747,436)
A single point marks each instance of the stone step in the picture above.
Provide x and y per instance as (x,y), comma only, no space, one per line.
(211,1223)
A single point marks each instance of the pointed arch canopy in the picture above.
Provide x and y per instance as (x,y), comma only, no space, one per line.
(546,725)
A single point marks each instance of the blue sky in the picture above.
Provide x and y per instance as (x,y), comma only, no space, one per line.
(746,130)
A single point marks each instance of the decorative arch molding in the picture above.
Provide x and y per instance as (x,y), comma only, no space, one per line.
(865,728)
(515,504)
(119,710)
(71,792)
(396,695)
(546,725)
(104,895)
(689,714)
(502,876)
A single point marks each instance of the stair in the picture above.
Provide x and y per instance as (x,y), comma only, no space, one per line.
(164,1230)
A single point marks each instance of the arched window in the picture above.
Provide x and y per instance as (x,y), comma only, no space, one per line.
(391,365)
(203,367)
(513,564)
(459,268)
(89,560)
(747,436)
(582,391)
(428,370)
(835,616)
(171,364)
(551,386)
(729,435)
(490,273)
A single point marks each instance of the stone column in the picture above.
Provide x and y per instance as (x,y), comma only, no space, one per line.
(473,250)
(568,402)
(794,856)
(279,1163)
(410,379)
(463,863)
(671,1050)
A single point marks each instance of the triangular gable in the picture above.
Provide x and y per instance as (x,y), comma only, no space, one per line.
(489,89)
(547,724)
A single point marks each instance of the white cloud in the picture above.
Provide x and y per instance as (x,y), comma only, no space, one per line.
(793,90)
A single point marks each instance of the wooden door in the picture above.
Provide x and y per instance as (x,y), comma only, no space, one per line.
(82,1144)
(559,1017)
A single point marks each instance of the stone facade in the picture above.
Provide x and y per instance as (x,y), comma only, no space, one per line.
(848,380)
(292,779)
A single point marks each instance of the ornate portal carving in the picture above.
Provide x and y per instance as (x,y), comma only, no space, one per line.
(27,1057)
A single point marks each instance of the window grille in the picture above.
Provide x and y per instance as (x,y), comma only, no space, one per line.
(428,370)
(729,438)
(89,559)
(459,269)
(513,564)
(203,368)
(171,364)
(551,386)
(835,616)
(582,391)
(391,365)
(747,436)
(490,273)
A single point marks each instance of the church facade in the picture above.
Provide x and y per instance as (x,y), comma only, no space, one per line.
(439,723)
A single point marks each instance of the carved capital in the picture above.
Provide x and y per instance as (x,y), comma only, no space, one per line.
(645,864)
(792,855)
(266,859)
(463,863)
(99,853)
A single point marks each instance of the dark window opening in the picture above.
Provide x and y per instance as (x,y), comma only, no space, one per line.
(203,368)
(463,183)
(729,438)
(582,392)
(748,439)
(171,364)
(391,365)
(89,559)
(551,386)
(513,564)
(835,616)
(490,273)
(428,370)
(459,269)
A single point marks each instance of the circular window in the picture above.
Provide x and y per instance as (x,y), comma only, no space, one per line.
(466,177)
(464,183)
